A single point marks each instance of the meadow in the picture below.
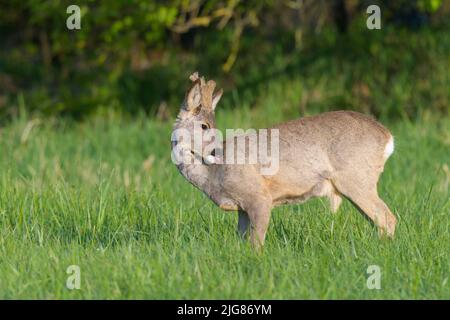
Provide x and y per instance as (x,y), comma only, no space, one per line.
(86,177)
(103,194)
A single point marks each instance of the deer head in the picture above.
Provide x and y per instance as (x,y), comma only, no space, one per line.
(196,117)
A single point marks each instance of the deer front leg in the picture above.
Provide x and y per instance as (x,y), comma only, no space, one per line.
(243,224)
(259,216)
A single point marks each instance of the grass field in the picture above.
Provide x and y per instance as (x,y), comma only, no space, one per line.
(104,195)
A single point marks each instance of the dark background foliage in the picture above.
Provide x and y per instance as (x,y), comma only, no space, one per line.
(135,56)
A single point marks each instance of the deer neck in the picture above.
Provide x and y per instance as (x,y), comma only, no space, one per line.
(199,175)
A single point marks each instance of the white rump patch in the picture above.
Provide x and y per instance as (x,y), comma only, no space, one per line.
(389,149)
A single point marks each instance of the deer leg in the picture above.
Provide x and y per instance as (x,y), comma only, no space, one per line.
(243,224)
(386,219)
(335,201)
(259,216)
(365,197)
(378,212)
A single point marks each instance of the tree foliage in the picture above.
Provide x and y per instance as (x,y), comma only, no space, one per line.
(135,54)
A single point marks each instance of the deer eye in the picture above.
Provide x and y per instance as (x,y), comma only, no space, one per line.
(205,126)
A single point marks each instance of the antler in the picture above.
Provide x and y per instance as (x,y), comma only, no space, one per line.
(206,89)
(207,93)
(195,78)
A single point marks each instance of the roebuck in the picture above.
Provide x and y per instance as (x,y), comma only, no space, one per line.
(332,154)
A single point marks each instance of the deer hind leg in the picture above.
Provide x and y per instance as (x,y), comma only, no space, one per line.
(363,193)
(335,200)
(326,189)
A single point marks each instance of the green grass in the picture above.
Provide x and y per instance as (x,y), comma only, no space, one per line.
(84,194)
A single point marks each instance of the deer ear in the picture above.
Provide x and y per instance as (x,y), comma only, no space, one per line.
(216,98)
(193,97)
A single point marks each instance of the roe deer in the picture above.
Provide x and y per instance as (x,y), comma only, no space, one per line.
(332,154)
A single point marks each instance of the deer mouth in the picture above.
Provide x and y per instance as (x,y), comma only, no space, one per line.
(208,160)
(204,160)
